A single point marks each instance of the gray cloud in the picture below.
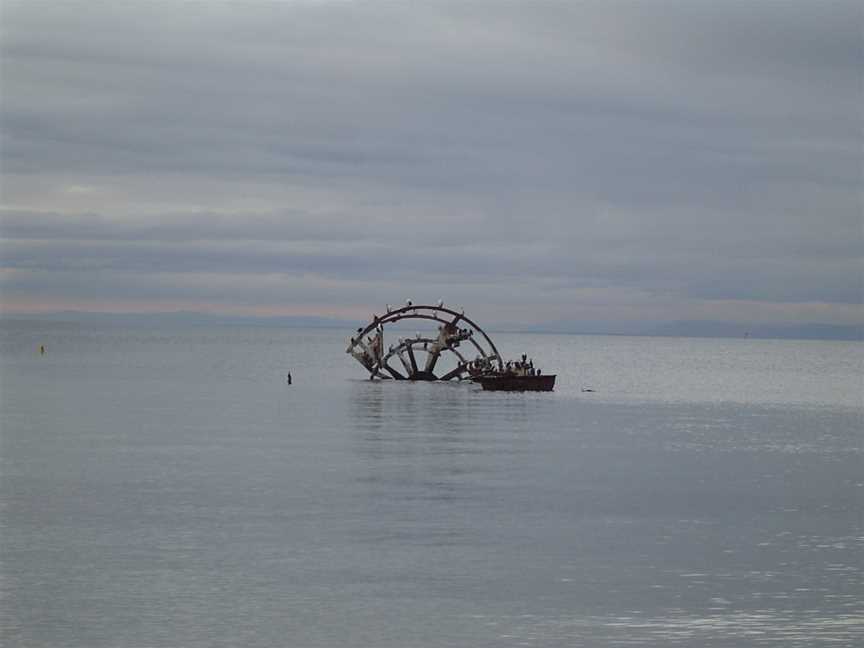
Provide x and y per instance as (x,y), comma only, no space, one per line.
(534,154)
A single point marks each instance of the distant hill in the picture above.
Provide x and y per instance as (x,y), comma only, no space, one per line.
(783,331)
(185,318)
(696,328)
(704,328)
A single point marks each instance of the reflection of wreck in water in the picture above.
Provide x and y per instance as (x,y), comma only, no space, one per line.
(446,354)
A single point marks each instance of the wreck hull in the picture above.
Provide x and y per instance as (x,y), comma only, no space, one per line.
(517,383)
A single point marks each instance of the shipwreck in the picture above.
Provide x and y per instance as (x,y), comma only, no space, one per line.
(457,348)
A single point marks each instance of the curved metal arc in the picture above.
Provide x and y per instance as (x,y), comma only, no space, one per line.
(410,312)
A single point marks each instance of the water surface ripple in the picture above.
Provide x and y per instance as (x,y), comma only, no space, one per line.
(168,488)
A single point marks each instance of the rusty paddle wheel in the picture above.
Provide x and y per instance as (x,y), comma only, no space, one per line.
(453,347)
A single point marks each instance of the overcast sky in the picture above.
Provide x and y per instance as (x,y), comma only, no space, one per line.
(532,161)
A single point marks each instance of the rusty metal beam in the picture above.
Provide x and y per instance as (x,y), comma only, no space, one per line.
(404,362)
(458,371)
(393,372)
(447,317)
(413,360)
(417,312)
(432,358)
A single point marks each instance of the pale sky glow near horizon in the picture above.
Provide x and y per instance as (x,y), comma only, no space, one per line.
(533,162)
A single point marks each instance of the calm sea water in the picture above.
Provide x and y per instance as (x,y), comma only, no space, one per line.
(163,488)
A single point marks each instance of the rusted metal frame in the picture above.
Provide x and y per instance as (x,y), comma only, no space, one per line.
(432,358)
(458,355)
(404,362)
(458,316)
(455,372)
(416,341)
(472,324)
(365,361)
(483,351)
(416,316)
(403,346)
(402,313)
(411,312)
(396,375)
(358,341)
(403,343)
(410,349)
(437,349)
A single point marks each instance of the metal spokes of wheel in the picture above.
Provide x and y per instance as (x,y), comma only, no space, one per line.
(456,346)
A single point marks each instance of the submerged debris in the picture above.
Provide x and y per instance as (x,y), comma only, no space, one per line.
(456,339)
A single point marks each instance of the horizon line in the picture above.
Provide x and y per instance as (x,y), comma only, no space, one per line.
(723,329)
